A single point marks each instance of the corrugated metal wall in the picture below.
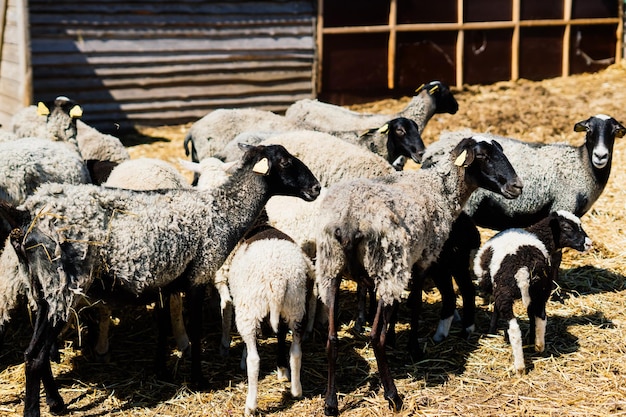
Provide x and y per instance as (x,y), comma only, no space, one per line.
(14,68)
(165,62)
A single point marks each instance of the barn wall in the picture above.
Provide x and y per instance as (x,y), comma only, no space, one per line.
(14,70)
(164,62)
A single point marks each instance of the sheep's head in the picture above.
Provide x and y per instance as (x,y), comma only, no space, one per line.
(444,100)
(61,115)
(404,139)
(487,167)
(284,173)
(568,232)
(601,133)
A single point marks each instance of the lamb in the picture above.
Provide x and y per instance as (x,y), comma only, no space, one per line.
(137,242)
(269,274)
(515,264)
(146,174)
(211,133)
(403,221)
(434,97)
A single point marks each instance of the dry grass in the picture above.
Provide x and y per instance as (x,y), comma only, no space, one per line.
(582,372)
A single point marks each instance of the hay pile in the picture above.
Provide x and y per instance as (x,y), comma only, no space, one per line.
(582,372)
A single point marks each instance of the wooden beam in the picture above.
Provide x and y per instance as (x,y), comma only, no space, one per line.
(391,47)
(319,43)
(619,45)
(460,44)
(515,40)
(567,34)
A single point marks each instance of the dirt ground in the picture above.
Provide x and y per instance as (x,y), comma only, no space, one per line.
(582,372)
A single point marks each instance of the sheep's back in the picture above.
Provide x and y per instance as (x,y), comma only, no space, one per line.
(325,117)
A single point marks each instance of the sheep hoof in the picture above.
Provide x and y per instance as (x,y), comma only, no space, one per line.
(57,407)
(395,403)
(539,348)
(331,410)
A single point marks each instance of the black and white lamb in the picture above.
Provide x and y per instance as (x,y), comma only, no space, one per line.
(403,221)
(515,264)
(434,97)
(140,242)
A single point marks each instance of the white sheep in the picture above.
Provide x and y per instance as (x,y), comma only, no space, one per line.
(268,275)
(434,97)
(211,133)
(515,264)
(379,231)
(141,242)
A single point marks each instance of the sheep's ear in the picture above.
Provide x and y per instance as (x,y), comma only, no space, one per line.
(620,131)
(190,165)
(466,156)
(42,109)
(581,126)
(76,112)
(262,167)
(244,146)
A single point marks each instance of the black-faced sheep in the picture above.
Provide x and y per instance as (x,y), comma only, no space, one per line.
(137,242)
(434,97)
(515,264)
(404,220)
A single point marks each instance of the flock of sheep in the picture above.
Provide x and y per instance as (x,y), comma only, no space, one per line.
(282,208)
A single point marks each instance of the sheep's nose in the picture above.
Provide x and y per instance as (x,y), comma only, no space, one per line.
(315,190)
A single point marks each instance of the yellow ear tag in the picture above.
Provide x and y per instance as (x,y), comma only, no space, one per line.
(432,90)
(384,128)
(42,109)
(76,112)
(262,167)
(460,160)
(418,89)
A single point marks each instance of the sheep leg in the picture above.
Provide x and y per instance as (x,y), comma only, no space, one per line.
(504,305)
(162,312)
(101,347)
(555,262)
(361,320)
(443,282)
(331,405)
(252,367)
(226,305)
(537,317)
(295,360)
(178,323)
(196,299)
(281,351)
(378,335)
(415,304)
(37,365)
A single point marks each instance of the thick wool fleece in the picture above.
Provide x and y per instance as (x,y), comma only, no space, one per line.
(146,174)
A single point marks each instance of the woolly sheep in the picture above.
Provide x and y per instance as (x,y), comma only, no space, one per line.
(211,133)
(146,174)
(269,275)
(556,176)
(515,264)
(93,144)
(141,242)
(434,97)
(395,140)
(404,220)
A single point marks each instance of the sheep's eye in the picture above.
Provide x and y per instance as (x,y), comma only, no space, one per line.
(285,163)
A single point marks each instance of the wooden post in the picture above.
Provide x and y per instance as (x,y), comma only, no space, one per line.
(515,41)
(391,47)
(567,35)
(460,45)
(619,45)
(319,46)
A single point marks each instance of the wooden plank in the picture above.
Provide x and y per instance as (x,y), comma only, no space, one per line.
(319,47)
(391,48)
(619,45)
(567,14)
(515,40)
(460,45)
